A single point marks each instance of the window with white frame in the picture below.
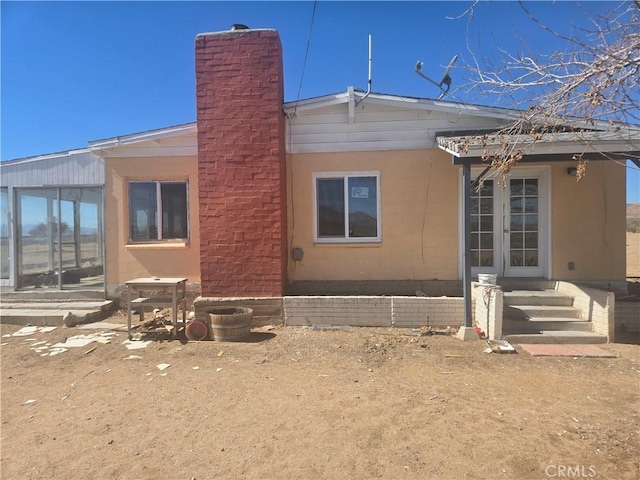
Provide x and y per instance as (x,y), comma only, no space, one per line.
(347,207)
(158,211)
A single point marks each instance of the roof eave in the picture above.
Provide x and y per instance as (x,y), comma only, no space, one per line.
(157,134)
(397,100)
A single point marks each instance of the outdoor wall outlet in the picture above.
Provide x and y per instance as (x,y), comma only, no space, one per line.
(298,254)
(572,266)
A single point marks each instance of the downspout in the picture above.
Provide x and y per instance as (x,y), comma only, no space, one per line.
(369,81)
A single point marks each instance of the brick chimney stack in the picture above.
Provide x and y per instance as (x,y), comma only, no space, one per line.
(241,163)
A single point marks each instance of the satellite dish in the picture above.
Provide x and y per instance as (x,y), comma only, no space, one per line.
(446,78)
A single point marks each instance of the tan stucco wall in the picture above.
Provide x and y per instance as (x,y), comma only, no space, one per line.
(588,222)
(125,261)
(419,207)
(420,202)
(420,219)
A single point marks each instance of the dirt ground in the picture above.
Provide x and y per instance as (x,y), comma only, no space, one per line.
(300,403)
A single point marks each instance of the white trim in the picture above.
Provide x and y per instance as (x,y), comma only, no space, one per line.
(549,266)
(402,101)
(291,108)
(46,156)
(343,176)
(156,134)
(153,151)
(542,173)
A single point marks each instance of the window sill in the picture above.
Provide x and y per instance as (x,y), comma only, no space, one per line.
(347,243)
(158,245)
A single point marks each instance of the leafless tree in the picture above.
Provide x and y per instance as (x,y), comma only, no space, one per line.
(591,85)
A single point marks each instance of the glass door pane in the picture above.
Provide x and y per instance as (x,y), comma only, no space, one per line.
(37,238)
(524,224)
(82,237)
(482,229)
(91,238)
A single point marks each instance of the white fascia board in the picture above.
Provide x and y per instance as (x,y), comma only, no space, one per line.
(401,101)
(46,156)
(446,107)
(125,151)
(143,136)
(316,102)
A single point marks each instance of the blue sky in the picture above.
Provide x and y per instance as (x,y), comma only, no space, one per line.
(72,72)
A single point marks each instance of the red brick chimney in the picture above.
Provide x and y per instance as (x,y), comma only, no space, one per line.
(241,163)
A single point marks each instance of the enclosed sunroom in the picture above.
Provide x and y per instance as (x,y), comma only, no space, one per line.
(52,223)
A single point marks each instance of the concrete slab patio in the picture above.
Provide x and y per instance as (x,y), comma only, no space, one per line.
(558,350)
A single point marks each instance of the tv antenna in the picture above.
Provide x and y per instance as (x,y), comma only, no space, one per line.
(445,83)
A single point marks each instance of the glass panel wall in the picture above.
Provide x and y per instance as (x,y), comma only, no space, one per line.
(36,231)
(59,238)
(4,234)
(82,237)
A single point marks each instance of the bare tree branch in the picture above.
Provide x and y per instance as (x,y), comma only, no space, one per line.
(595,80)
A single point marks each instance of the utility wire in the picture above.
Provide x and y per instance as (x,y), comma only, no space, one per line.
(306,53)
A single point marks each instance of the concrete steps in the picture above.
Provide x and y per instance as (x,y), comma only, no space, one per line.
(526,284)
(44,312)
(49,295)
(544,316)
(539,324)
(525,312)
(542,297)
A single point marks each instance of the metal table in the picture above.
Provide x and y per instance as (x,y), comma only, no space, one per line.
(136,299)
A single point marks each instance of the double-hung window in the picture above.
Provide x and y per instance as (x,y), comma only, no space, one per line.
(158,211)
(347,207)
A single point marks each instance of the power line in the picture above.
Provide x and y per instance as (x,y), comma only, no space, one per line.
(306,53)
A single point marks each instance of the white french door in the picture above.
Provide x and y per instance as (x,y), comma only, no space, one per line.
(509,224)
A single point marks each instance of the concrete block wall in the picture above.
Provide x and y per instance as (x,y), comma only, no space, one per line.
(351,311)
(427,311)
(241,163)
(374,311)
(594,305)
(488,308)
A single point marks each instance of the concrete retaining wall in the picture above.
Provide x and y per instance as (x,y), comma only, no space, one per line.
(596,306)
(427,311)
(381,311)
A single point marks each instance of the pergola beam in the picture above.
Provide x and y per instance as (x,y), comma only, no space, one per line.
(555,158)
(466,216)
